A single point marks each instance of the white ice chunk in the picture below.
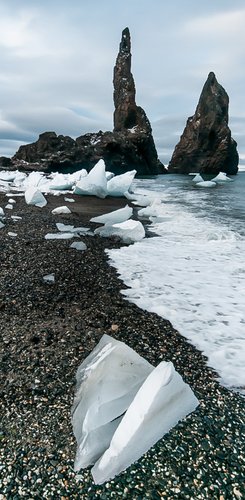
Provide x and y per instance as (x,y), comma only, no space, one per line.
(114,217)
(7,176)
(16,217)
(79,245)
(9,206)
(49,278)
(94,184)
(120,184)
(64,227)
(129,231)
(198,178)
(205,184)
(221,177)
(34,197)
(61,210)
(11,200)
(4,187)
(163,400)
(107,382)
(34,179)
(69,200)
(150,211)
(1,212)
(59,236)
(13,235)
(61,182)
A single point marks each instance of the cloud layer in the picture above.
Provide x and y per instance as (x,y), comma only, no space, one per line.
(57,60)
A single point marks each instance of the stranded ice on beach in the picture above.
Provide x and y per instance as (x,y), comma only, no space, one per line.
(123,405)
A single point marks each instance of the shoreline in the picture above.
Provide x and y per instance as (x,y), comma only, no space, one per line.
(48,329)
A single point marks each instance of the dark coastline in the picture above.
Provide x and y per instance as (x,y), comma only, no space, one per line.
(48,329)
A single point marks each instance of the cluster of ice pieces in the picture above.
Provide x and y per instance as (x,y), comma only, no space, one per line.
(123,406)
(117,223)
(219,179)
(97,182)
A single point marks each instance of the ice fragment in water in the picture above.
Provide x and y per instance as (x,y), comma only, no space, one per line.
(129,231)
(204,184)
(221,177)
(197,178)
(116,216)
(123,406)
(120,184)
(34,197)
(61,210)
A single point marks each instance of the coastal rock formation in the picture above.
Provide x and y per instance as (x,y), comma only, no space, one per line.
(130,146)
(206,145)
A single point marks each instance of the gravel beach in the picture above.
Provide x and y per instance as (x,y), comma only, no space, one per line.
(48,328)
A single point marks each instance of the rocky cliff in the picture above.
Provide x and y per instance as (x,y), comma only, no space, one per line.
(129,146)
(206,145)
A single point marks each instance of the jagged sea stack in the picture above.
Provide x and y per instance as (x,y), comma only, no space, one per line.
(206,145)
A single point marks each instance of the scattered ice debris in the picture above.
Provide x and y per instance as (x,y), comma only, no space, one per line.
(150,211)
(120,215)
(123,406)
(34,197)
(13,235)
(1,225)
(61,210)
(221,177)
(16,217)
(120,184)
(9,206)
(79,245)
(69,200)
(129,231)
(49,278)
(59,236)
(205,184)
(198,178)
(95,183)
(64,227)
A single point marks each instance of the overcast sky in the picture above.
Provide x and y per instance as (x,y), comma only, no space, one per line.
(57,60)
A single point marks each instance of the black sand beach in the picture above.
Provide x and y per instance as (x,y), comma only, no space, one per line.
(47,329)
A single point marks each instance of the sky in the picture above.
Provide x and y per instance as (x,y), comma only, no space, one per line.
(57,60)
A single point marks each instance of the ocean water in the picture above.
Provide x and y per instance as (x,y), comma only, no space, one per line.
(192,270)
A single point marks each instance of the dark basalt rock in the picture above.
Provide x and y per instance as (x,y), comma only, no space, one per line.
(206,145)
(129,146)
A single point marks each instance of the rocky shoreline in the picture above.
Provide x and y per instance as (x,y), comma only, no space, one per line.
(46,331)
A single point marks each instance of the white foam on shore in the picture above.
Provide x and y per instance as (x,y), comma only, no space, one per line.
(193,275)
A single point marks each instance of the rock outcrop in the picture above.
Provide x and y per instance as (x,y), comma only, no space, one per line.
(129,146)
(206,145)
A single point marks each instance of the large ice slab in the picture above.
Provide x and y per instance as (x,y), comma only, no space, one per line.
(114,217)
(120,184)
(34,197)
(129,231)
(163,399)
(107,382)
(95,183)
(122,406)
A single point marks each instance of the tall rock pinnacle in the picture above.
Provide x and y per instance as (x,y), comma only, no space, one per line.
(206,144)
(127,115)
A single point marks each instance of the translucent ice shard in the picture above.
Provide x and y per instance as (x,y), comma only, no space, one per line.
(221,177)
(129,231)
(114,217)
(34,197)
(95,183)
(119,184)
(163,399)
(107,382)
